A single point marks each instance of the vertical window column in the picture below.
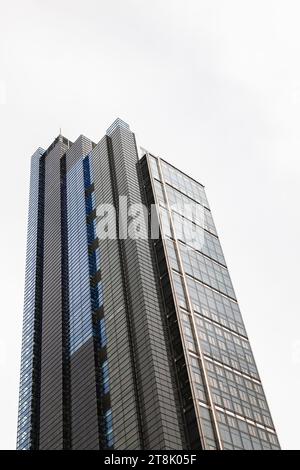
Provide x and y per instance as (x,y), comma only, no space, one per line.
(102,371)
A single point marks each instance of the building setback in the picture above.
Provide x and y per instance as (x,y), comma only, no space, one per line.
(130,343)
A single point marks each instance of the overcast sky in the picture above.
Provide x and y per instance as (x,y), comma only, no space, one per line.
(213,87)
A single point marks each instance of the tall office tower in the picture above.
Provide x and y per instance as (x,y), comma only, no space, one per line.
(132,336)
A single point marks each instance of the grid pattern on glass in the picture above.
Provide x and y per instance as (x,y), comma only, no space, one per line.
(198,238)
(187,331)
(205,270)
(166,222)
(206,425)
(25,394)
(238,434)
(172,255)
(197,377)
(159,192)
(238,394)
(231,391)
(216,314)
(81,328)
(179,289)
(213,301)
(184,206)
(183,183)
(154,167)
(215,306)
(207,428)
(225,347)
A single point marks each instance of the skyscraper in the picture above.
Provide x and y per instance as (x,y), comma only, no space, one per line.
(132,336)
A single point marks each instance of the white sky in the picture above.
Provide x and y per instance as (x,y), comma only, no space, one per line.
(213,87)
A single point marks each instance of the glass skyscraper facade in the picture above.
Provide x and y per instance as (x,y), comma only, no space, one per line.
(130,342)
